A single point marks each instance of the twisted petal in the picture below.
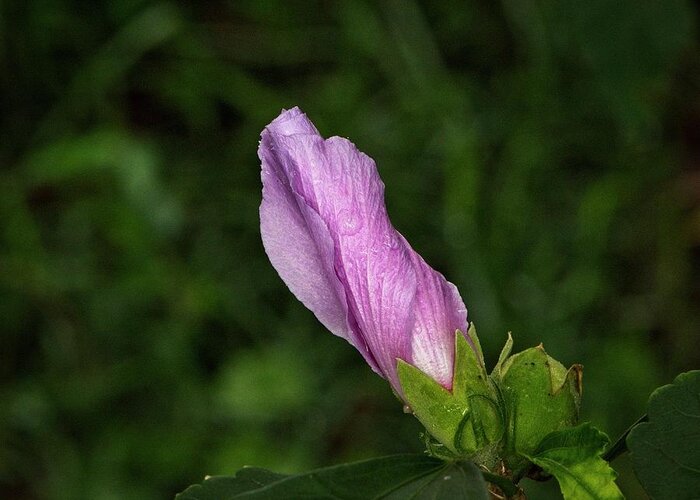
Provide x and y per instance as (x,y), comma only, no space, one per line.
(325,228)
(439,311)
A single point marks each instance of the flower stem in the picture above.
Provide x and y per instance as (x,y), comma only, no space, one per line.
(620,445)
(504,484)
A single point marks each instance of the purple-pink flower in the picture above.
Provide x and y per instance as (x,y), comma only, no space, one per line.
(325,227)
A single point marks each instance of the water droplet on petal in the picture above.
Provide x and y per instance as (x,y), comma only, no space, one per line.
(391,241)
(349,222)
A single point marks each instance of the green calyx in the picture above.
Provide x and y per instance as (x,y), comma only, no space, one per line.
(494,418)
(468,420)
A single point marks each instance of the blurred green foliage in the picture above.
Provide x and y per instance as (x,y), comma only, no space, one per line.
(543,155)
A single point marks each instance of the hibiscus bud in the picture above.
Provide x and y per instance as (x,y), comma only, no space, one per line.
(326,231)
(540,396)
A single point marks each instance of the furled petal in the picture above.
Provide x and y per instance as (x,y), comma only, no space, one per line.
(326,230)
(295,237)
(439,311)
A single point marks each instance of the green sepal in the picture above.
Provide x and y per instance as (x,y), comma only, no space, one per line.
(432,404)
(573,457)
(467,420)
(540,396)
(505,352)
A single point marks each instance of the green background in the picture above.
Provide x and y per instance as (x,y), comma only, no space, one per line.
(545,156)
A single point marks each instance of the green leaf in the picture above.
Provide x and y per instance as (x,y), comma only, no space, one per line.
(665,451)
(572,456)
(468,418)
(392,477)
(245,480)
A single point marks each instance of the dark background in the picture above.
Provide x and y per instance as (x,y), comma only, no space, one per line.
(542,155)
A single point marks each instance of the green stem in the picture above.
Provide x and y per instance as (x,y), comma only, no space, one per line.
(506,486)
(620,445)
